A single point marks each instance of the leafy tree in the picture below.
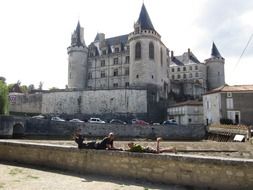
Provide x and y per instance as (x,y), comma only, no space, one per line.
(2,79)
(4,103)
(40,85)
(24,89)
(53,89)
(31,88)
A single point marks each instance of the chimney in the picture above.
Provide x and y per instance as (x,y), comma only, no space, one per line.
(189,52)
(172,54)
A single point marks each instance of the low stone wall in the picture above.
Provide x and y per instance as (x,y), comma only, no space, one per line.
(171,168)
(53,128)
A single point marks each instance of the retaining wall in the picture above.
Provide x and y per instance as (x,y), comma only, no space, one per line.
(171,168)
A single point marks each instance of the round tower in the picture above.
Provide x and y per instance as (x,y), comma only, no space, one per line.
(78,54)
(215,69)
(147,54)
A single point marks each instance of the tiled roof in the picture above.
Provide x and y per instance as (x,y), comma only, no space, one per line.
(235,88)
(144,19)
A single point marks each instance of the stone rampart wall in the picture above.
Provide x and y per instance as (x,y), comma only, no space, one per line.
(200,171)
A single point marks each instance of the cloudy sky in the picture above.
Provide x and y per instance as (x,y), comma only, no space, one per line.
(35,34)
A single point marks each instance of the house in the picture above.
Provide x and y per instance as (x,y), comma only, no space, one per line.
(187,113)
(229,104)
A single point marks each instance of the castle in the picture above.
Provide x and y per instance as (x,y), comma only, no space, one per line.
(140,59)
(129,76)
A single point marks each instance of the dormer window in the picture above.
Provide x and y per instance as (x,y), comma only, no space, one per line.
(116,50)
(104,52)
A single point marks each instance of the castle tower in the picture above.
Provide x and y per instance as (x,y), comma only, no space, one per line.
(215,69)
(78,52)
(148,55)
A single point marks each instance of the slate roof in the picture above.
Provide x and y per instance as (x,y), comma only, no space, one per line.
(144,19)
(177,62)
(117,40)
(215,52)
(78,35)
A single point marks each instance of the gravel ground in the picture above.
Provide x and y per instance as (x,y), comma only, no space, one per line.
(24,178)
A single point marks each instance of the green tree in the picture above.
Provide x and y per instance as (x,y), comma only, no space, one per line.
(4,103)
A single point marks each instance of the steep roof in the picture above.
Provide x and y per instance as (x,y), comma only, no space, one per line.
(234,88)
(215,52)
(117,40)
(144,19)
(78,35)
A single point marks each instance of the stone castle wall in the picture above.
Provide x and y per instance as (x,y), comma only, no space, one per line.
(201,171)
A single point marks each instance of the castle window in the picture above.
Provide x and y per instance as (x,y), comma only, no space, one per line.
(116,61)
(115,72)
(184,76)
(137,76)
(115,84)
(70,75)
(190,68)
(190,75)
(178,69)
(116,50)
(184,68)
(172,70)
(173,77)
(102,63)
(89,75)
(161,56)
(178,76)
(138,50)
(127,84)
(104,52)
(127,71)
(151,50)
(127,59)
(218,73)
(102,74)
(152,76)
(196,67)
(196,74)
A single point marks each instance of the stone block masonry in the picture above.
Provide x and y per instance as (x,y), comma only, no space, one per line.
(198,171)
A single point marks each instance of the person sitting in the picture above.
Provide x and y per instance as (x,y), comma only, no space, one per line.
(138,148)
(105,144)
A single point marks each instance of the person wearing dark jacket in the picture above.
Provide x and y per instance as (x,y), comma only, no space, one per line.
(105,144)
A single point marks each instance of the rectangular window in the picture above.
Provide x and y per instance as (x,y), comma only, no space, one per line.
(127,59)
(127,84)
(116,61)
(115,72)
(115,85)
(104,52)
(196,67)
(102,74)
(102,63)
(89,75)
(127,71)
(230,104)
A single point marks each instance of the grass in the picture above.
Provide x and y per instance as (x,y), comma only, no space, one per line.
(2,185)
(33,177)
(15,171)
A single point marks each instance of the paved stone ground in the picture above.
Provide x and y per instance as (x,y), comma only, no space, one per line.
(24,178)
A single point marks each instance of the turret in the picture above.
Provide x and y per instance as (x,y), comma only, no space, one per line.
(77,67)
(215,69)
(148,55)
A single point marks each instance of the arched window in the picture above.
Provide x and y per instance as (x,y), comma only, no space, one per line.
(161,56)
(151,50)
(138,50)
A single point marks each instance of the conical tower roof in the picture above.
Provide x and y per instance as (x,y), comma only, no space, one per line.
(144,19)
(78,35)
(215,52)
